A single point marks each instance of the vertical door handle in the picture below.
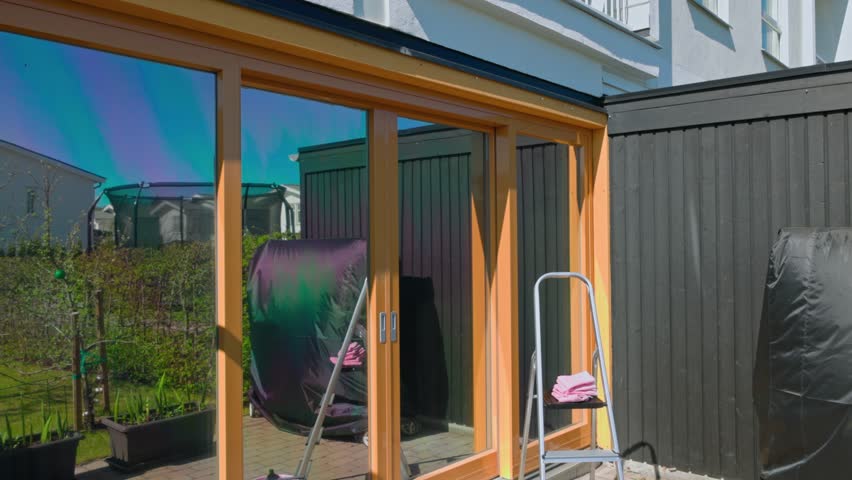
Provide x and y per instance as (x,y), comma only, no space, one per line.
(394,321)
(383,332)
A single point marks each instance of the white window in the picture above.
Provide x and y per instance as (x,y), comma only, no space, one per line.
(771,26)
(719,8)
(712,5)
(31,200)
(635,14)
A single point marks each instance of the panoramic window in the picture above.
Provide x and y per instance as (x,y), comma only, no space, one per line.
(107,308)
(442,238)
(548,241)
(305,240)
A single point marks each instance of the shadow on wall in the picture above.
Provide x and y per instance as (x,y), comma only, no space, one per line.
(830,16)
(423,366)
(703,22)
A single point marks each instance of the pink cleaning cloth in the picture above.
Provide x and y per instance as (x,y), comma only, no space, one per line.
(354,356)
(574,388)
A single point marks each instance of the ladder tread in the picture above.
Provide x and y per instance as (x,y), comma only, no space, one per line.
(580,456)
(590,404)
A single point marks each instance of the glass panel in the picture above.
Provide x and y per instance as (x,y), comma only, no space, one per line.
(107,308)
(770,9)
(771,39)
(442,302)
(305,258)
(544,245)
(712,5)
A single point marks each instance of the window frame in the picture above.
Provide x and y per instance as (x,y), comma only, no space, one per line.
(31,197)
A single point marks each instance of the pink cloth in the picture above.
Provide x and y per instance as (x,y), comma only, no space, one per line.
(574,388)
(354,356)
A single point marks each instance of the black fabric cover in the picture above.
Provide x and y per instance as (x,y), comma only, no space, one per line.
(803,368)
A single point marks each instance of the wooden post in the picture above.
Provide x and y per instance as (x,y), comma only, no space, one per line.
(229,300)
(102,349)
(76,377)
(504,298)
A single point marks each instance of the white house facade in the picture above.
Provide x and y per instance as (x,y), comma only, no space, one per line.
(613,46)
(32,184)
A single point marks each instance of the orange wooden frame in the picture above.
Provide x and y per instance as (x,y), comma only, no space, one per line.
(248,48)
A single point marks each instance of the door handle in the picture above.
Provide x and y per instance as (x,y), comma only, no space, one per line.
(393,333)
(383,334)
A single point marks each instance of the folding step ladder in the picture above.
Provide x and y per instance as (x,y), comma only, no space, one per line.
(594,454)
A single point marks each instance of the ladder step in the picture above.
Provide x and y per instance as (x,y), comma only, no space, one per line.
(551,403)
(580,456)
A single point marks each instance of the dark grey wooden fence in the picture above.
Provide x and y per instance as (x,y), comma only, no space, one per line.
(702,179)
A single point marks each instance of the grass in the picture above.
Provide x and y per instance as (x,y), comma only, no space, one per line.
(52,389)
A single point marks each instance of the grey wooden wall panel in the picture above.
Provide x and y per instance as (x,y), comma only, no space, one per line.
(694,212)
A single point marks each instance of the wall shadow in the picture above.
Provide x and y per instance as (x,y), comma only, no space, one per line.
(704,22)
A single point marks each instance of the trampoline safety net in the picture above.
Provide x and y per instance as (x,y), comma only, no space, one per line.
(154,214)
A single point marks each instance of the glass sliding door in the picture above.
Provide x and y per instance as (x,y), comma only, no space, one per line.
(107,308)
(442,235)
(305,256)
(550,201)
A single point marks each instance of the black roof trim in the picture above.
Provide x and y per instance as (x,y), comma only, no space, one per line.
(740,81)
(324,18)
(406,132)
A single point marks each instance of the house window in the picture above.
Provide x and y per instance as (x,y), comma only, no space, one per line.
(31,200)
(712,5)
(771,28)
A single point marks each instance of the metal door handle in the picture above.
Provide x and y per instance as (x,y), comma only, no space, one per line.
(393,326)
(383,318)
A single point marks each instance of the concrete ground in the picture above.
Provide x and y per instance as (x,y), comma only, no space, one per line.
(267,447)
(632,471)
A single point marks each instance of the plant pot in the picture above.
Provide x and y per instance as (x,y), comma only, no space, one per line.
(134,446)
(52,461)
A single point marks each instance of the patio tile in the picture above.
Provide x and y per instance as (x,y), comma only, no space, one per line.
(267,447)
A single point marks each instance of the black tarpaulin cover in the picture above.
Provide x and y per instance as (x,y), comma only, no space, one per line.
(301,294)
(803,368)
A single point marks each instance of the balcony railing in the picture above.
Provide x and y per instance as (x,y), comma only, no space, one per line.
(635,14)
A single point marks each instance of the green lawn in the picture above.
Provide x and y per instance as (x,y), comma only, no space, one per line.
(52,389)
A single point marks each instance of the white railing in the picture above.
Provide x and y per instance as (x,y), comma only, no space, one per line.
(635,14)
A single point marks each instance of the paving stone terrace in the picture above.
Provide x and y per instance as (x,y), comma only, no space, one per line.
(267,447)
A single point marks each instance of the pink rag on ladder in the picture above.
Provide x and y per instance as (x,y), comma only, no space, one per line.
(574,388)
(354,356)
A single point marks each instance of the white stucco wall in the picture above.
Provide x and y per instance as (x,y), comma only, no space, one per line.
(707,48)
(565,42)
(550,39)
(834,35)
(71,195)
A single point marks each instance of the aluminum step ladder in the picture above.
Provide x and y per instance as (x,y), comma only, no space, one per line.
(543,401)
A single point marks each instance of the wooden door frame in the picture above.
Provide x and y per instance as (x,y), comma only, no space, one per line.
(248,48)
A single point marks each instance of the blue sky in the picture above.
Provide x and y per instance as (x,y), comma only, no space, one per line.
(131,120)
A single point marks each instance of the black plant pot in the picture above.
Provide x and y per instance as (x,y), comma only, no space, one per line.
(51,461)
(134,446)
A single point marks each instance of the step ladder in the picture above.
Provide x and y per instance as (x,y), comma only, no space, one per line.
(546,401)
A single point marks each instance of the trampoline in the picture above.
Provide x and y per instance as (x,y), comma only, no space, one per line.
(159,213)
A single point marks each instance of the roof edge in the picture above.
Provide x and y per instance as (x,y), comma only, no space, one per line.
(67,166)
(743,80)
(340,23)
